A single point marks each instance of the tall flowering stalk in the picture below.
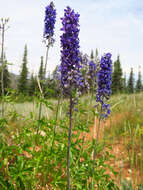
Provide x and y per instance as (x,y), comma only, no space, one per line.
(70,67)
(104,84)
(49,25)
(103,92)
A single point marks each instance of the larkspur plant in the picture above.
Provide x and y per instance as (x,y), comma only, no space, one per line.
(49,25)
(70,67)
(50,19)
(103,93)
(104,84)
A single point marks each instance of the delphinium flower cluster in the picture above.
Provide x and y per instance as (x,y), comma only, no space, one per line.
(104,84)
(70,61)
(49,23)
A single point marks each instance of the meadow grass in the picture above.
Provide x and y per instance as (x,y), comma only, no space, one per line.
(122,135)
(125,129)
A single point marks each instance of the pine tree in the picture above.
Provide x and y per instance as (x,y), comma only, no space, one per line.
(41,75)
(92,55)
(41,70)
(33,86)
(117,80)
(125,83)
(96,53)
(22,83)
(139,82)
(131,82)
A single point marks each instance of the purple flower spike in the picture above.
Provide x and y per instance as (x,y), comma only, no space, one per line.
(104,83)
(70,62)
(50,19)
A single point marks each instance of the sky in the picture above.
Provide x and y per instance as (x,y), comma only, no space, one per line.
(114,26)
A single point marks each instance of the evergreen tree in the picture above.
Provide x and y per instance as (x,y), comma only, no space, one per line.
(41,70)
(131,82)
(92,55)
(22,83)
(96,53)
(139,82)
(117,80)
(33,85)
(125,83)
(6,76)
(53,84)
(41,75)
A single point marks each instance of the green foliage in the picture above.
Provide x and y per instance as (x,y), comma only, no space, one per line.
(22,82)
(92,55)
(139,86)
(33,87)
(128,186)
(125,84)
(130,86)
(31,160)
(27,166)
(52,85)
(117,80)
(41,70)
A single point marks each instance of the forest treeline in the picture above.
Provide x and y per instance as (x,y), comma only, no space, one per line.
(27,83)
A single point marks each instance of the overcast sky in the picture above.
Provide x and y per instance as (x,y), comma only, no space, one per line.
(114,26)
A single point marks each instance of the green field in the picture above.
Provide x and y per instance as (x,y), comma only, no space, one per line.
(33,151)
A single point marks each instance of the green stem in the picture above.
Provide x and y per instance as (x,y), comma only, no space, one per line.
(54,132)
(46,61)
(2,72)
(42,95)
(69,143)
(95,147)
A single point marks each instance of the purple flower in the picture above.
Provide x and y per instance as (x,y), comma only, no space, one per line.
(104,83)
(71,77)
(83,59)
(50,19)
